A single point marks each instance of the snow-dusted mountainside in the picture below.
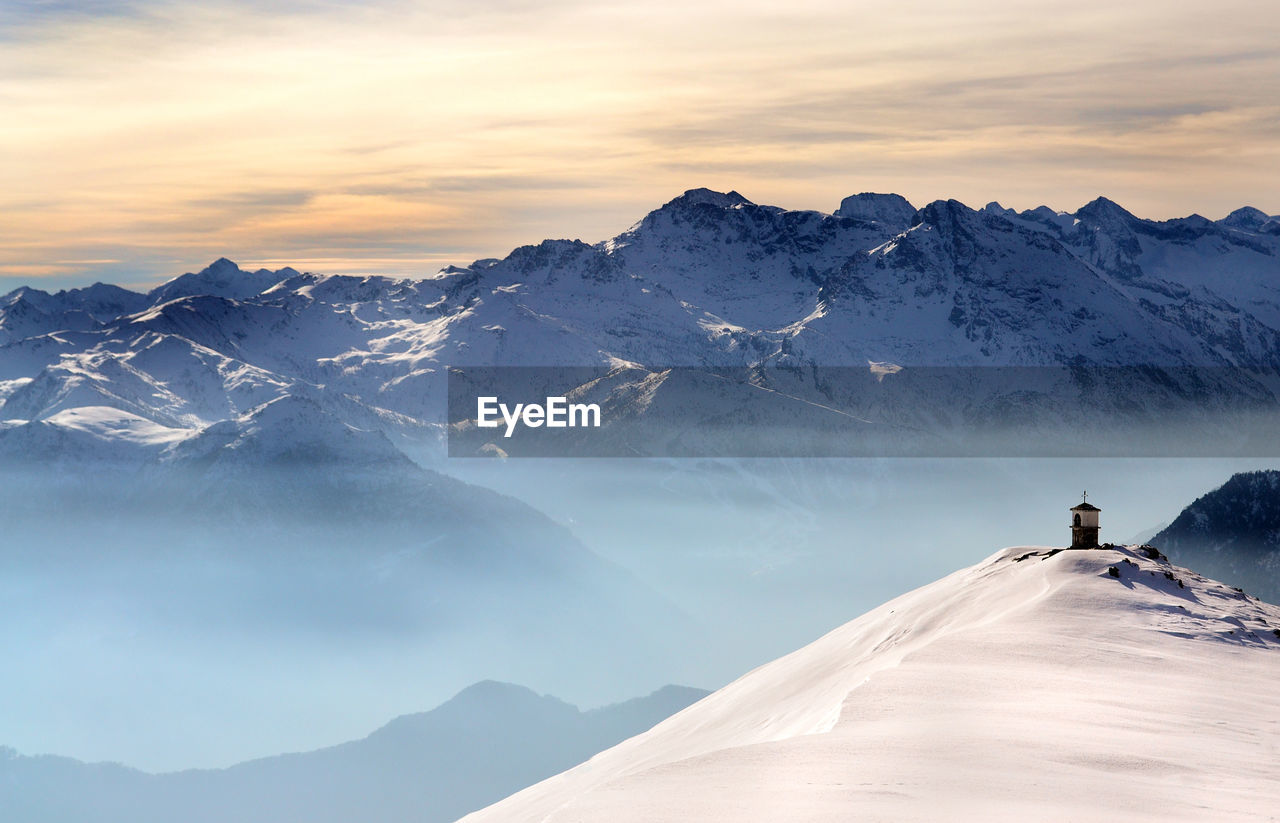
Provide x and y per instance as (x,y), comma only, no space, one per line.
(1233,533)
(488,741)
(707,279)
(1038,684)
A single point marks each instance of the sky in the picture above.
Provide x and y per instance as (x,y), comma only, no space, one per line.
(143,138)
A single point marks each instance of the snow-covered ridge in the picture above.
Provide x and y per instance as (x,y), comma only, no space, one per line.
(707,279)
(1102,684)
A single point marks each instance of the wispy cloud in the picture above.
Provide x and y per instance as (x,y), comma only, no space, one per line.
(158,131)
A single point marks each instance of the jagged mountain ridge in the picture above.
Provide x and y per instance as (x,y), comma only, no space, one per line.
(707,279)
(430,767)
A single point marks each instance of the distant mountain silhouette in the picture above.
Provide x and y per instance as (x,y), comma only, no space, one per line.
(1232,533)
(490,740)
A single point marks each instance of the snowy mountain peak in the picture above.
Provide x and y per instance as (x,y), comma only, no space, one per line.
(1247,219)
(285,430)
(995,208)
(946,213)
(220,266)
(33,311)
(26,294)
(1108,667)
(104,301)
(889,209)
(708,197)
(1103,211)
(221,278)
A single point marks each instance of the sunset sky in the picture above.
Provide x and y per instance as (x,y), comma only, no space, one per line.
(142,139)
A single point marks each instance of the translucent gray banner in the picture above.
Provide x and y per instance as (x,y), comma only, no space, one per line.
(876,410)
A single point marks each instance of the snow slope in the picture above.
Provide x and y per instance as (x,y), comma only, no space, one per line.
(1034,685)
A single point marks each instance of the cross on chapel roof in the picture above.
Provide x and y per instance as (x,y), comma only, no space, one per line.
(1084,505)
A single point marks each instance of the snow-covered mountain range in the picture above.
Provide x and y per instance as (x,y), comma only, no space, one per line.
(1041,683)
(707,279)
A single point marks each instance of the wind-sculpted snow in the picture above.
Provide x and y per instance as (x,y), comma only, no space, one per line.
(709,279)
(1039,684)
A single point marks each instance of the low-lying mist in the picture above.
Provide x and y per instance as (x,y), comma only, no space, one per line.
(170,619)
